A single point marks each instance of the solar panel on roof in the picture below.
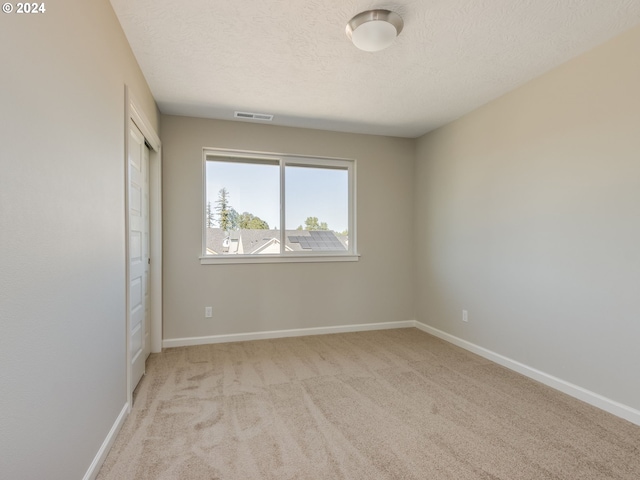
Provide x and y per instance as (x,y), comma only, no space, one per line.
(318,241)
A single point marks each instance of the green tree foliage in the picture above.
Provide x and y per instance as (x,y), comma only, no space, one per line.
(229,218)
(209,216)
(250,221)
(223,209)
(312,223)
(234,219)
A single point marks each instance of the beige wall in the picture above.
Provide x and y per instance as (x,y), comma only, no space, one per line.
(527,216)
(255,298)
(62,263)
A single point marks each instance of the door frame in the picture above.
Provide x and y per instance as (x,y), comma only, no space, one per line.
(135,114)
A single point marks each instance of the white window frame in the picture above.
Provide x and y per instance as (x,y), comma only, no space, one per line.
(283,160)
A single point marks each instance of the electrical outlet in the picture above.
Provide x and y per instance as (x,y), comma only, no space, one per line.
(208,312)
(465,316)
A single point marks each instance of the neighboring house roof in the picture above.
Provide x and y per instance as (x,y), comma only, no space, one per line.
(272,246)
(245,241)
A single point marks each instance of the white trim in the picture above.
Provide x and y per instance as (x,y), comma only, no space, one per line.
(353,206)
(134,113)
(155,253)
(269,258)
(298,332)
(98,460)
(204,202)
(616,408)
(258,154)
(283,160)
(611,406)
(142,122)
(283,203)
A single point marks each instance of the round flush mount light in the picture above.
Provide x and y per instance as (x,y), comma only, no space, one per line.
(374,30)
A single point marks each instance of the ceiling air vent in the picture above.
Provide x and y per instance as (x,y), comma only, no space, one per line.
(253,116)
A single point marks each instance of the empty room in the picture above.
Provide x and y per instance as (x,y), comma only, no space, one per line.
(320,240)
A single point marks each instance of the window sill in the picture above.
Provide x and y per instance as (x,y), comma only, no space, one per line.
(234,259)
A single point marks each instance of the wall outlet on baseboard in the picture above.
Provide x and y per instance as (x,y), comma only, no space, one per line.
(208,312)
(465,316)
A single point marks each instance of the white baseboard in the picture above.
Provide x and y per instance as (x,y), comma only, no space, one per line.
(603,403)
(606,404)
(599,401)
(94,468)
(298,332)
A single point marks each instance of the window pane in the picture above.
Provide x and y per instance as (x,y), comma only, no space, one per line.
(242,213)
(317,209)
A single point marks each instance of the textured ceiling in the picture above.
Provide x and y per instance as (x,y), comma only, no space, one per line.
(208,58)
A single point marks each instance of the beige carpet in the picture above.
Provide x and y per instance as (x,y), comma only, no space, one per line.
(392,404)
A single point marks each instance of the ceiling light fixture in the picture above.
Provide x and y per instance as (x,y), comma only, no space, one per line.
(374,30)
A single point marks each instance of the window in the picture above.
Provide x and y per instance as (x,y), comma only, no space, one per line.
(277,208)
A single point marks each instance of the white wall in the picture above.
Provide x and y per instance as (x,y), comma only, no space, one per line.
(258,298)
(527,216)
(62,264)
